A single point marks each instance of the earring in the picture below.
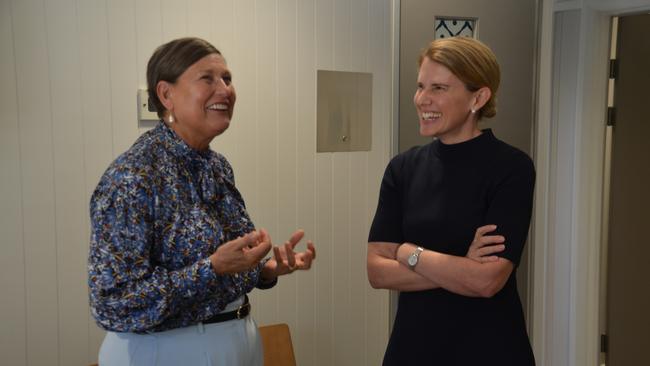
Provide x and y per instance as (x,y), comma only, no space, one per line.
(171,118)
(473,111)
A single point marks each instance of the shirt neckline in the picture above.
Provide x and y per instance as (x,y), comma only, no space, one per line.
(179,147)
(471,147)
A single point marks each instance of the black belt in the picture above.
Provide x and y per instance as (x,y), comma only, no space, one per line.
(242,311)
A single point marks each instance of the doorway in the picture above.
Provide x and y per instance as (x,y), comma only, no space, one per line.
(627,247)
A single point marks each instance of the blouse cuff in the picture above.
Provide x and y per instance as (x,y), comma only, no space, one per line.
(261,283)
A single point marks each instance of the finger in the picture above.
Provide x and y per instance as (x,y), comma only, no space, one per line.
(279,262)
(296,237)
(476,243)
(236,244)
(486,240)
(277,255)
(264,235)
(492,258)
(248,240)
(491,239)
(256,254)
(259,251)
(488,250)
(264,238)
(484,230)
(307,256)
(312,249)
(304,259)
(291,256)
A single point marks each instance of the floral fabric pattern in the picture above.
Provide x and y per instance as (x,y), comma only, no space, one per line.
(159,211)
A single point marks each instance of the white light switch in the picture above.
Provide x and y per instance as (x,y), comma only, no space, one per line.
(146,112)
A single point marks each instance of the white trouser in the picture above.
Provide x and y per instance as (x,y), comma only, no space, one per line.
(230,343)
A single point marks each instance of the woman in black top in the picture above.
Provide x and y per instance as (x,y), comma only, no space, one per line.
(452,220)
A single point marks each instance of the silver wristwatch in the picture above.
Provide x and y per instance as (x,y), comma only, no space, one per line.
(414,257)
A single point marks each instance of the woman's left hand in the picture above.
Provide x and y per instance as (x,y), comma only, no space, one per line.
(484,247)
(285,260)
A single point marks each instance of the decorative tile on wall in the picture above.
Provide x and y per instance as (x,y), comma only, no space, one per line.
(449,27)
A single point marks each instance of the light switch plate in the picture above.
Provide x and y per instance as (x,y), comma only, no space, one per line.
(146,112)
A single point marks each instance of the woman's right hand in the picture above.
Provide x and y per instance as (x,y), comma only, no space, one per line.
(241,254)
(484,246)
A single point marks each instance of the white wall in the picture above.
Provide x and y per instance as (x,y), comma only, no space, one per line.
(69,71)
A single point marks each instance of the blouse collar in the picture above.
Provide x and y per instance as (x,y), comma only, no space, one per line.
(179,147)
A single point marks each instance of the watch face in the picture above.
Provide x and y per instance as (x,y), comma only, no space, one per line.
(413,259)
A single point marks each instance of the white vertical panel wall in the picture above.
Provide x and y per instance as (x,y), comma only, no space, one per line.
(69,71)
(12,260)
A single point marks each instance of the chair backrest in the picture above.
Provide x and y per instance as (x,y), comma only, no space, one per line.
(278,349)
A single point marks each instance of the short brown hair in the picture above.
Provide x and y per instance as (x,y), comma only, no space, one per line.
(472,62)
(170,60)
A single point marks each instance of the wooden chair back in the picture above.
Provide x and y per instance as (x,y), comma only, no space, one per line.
(278,349)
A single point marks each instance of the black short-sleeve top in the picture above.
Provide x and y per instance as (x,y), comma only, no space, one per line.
(436,196)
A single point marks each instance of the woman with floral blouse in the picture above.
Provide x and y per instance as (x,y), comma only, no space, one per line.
(173,252)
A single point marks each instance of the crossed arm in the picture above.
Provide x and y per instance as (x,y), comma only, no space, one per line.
(479,274)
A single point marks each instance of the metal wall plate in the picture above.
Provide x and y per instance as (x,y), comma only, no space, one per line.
(344,111)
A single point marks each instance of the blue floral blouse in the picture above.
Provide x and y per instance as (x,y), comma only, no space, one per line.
(159,211)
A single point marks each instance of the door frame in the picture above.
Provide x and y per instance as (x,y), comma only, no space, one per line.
(394,124)
(565,314)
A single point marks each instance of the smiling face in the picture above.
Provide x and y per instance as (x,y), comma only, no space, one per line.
(444,104)
(201,101)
